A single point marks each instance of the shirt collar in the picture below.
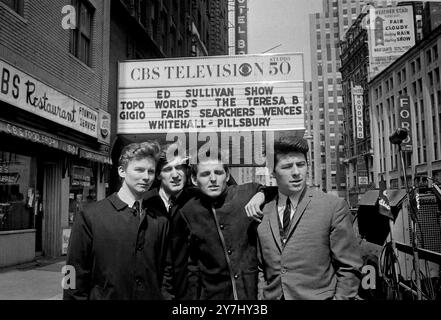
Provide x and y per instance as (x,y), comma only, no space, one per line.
(294,199)
(127,198)
(166,198)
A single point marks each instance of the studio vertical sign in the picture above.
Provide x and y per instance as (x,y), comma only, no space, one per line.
(241,17)
(404,121)
(357,102)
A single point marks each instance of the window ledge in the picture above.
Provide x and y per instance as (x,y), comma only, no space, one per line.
(2,233)
(73,57)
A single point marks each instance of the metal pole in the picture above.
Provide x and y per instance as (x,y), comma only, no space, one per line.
(395,253)
(416,261)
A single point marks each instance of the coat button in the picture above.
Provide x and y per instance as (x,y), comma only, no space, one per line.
(283,270)
(221,227)
(138,281)
(236,276)
(230,252)
(140,248)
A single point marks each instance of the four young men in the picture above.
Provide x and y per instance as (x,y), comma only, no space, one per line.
(209,240)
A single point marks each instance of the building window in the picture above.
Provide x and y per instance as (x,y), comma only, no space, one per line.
(429,56)
(435,52)
(80,37)
(16,5)
(412,67)
(82,189)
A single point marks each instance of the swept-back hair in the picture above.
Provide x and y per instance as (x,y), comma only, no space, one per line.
(290,144)
(138,151)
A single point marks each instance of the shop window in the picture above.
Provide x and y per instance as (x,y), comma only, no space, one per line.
(18,198)
(82,189)
(80,37)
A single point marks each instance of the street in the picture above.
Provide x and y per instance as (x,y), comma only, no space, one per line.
(37,280)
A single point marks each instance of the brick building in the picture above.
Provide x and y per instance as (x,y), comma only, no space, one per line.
(54,149)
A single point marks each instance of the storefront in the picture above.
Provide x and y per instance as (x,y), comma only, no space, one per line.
(53,160)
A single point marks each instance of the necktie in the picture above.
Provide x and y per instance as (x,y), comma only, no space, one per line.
(136,208)
(171,203)
(286,215)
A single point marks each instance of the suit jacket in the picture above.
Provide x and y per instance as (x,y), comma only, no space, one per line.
(115,255)
(320,258)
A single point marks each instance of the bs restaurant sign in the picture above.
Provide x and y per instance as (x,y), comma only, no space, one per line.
(224,93)
(23,91)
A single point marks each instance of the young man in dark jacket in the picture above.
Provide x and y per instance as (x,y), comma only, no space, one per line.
(118,248)
(218,237)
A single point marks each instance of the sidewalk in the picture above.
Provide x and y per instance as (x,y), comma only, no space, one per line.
(37,280)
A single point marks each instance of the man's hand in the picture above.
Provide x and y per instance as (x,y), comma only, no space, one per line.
(253,207)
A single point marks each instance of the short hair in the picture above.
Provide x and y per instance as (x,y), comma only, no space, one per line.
(138,151)
(210,157)
(165,153)
(290,144)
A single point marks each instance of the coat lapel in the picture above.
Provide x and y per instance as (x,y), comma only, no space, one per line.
(304,201)
(271,210)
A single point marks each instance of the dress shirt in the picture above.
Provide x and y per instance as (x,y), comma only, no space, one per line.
(281,203)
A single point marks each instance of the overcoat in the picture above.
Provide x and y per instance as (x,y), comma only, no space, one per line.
(115,255)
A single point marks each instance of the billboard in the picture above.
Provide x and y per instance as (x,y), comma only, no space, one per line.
(391,33)
(23,91)
(211,94)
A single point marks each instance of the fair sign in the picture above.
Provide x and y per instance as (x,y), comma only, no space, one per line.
(23,91)
(213,94)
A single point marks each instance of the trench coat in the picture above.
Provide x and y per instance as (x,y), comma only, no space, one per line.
(115,255)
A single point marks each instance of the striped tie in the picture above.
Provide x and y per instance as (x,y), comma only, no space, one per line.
(286,216)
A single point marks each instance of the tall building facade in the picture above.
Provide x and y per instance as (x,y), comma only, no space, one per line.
(356,124)
(415,75)
(326,30)
(309,109)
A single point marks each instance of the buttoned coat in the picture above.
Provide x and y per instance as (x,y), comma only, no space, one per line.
(115,255)
(320,258)
(221,243)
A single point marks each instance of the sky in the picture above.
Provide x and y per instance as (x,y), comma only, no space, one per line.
(281,23)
